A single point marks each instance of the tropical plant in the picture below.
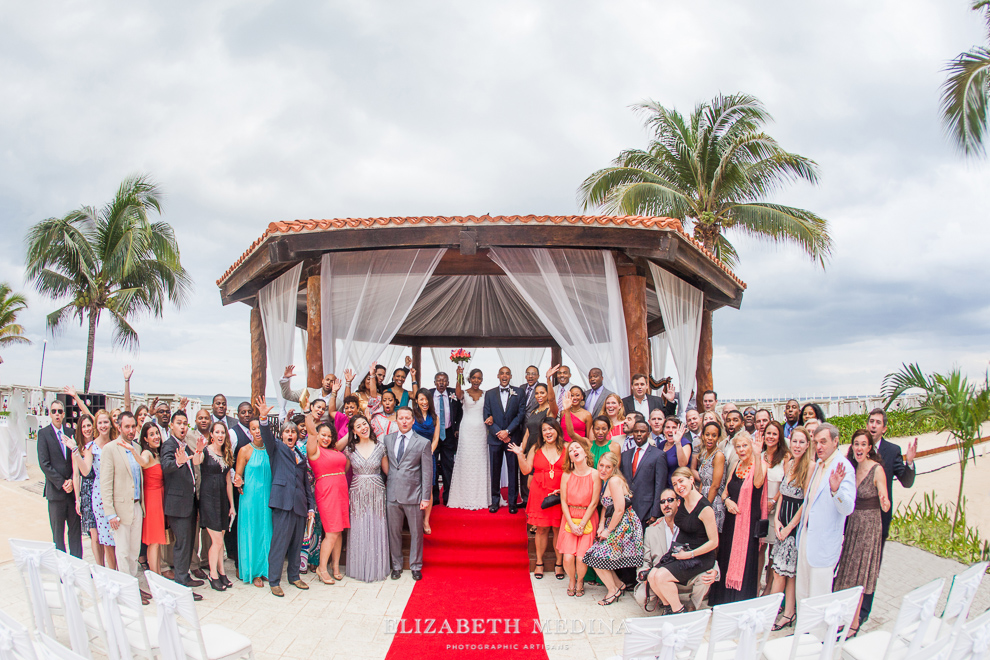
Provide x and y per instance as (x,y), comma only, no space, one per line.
(966,91)
(116,259)
(712,171)
(925,525)
(952,403)
(11,304)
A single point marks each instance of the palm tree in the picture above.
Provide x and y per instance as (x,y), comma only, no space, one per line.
(965,93)
(115,259)
(11,304)
(712,171)
(952,402)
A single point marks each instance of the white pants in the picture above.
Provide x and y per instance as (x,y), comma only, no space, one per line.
(127,539)
(811,581)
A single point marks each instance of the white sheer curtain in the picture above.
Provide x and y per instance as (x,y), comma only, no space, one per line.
(575,294)
(680,305)
(517,359)
(441,360)
(366,296)
(277,302)
(658,355)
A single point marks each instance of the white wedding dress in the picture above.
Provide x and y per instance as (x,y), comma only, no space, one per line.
(470,484)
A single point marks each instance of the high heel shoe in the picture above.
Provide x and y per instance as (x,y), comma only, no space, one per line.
(217,584)
(786,622)
(611,599)
(226,581)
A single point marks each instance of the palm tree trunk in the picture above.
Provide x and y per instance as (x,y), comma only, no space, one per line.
(959,494)
(90,347)
(704,371)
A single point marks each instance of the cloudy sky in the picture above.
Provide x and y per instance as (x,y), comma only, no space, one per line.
(250,112)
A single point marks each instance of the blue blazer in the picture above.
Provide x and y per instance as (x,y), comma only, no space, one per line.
(649,482)
(511,419)
(290,491)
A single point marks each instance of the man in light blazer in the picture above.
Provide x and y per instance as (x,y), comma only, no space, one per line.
(123,498)
(55,460)
(407,491)
(830,498)
(594,400)
(504,412)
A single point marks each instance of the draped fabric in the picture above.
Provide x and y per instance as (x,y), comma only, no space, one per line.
(518,359)
(575,294)
(823,617)
(916,614)
(72,572)
(974,639)
(749,622)
(365,298)
(15,640)
(680,306)
(665,638)
(50,649)
(33,557)
(441,360)
(658,355)
(172,601)
(112,594)
(277,302)
(961,594)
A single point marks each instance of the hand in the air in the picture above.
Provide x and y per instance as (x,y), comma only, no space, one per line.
(835,479)
(290,371)
(262,406)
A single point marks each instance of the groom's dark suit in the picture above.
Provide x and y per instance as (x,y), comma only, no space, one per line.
(509,418)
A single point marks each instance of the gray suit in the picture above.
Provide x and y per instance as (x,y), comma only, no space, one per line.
(599,403)
(410,481)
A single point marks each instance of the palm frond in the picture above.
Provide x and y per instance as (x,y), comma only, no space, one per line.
(778,223)
(55,322)
(965,98)
(124,335)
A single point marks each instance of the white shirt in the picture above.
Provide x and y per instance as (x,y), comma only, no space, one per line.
(669,534)
(503,394)
(446,406)
(642,406)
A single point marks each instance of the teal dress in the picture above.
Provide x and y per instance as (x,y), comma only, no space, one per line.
(254,520)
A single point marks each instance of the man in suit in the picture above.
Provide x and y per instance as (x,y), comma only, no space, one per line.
(597,392)
(894,465)
(693,422)
(505,414)
(410,474)
(219,410)
(645,469)
(563,377)
(179,501)
(829,499)
(532,380)
(641,400)
(55,460)
(291,502)
(123,498)
(449,412)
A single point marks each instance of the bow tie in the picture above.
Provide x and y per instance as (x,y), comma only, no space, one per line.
(504,390)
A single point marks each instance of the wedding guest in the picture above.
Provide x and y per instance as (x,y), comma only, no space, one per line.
(859,563)
(745,504)
(775,456)
(106,434)
(532,376)
(656,422)
(505,415)
(216,500)
(733,425)
(407,492)
(563,383)
(792,416)
(240,432)
(675,446)
(470,484)
(449,413)
(597,393)
(580,490)
(619,541)
(399,377)
(218,410)
(81,450)
(785,521)
(604,442)
(574,419)
(163,416)
(383,422)
(645,469)
(811,426)
(179,479)
(367,391)
(708,467)
(709,401)
(698,540)
(55,460)
(669,398)
(828,501)
(730,407)
(146,452)
(692,420)
(254,527)
(426,425)
(339,420)
(330,464)
(641,400)
(367,540)
(542,455)
(749,419)
(812,411)
(325,391)
(612,408)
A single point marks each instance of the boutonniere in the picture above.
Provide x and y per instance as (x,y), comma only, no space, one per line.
(512,392)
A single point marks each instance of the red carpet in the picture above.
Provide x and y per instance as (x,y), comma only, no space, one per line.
(475,570)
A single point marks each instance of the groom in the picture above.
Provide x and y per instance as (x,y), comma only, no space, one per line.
(505,415)
(407,491)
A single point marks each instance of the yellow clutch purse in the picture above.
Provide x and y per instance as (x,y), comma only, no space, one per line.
(587,528)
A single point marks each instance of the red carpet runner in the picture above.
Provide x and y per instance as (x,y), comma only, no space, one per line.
(475,599)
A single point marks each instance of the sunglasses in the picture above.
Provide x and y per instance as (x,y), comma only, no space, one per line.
(669,500)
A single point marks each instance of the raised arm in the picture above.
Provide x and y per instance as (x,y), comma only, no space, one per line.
(312,438)
(551,395)
(267,436)
(458,392)
(285,384)
(904,470)
(128,372)
(71,391)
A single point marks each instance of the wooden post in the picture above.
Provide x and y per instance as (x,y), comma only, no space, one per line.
(259,356)
(703,374)
(633,290)
(314,329)
(417,362)
(556,355)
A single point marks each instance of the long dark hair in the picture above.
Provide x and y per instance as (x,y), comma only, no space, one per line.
(819,414)
(363,387)
(352,437)
(780,453)
(872,455)
(144,439)
(226,451)
(417,413)
(539,442)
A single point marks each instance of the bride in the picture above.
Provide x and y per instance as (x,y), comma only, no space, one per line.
(469,485)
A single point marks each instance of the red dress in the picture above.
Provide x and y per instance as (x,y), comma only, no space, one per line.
(580,429)
(543,484)
(331,490)
(153,527)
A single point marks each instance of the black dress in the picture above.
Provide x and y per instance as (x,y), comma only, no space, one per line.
(719,593)
(691,534)
(534,424)
(214,509)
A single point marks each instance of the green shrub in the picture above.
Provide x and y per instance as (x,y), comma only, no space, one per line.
(898,424)
(928,525)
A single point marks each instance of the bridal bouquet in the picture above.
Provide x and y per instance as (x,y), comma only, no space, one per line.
(458,357)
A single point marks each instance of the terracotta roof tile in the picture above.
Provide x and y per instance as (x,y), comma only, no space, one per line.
(630,221)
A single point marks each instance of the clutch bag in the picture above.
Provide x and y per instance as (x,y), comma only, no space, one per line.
(550,501)
(587,528)
(761,528)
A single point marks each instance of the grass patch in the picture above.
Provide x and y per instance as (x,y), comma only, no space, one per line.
(899,424)
(928,525)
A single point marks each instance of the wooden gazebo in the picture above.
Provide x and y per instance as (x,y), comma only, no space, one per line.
(633,241)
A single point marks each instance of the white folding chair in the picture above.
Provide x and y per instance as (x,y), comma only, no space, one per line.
(819,631)
(82,605)
(38,565)
(910,628)
(50,649)
(961,594)
(15,640)
(670,637)
(939,650)
(180,633)
(973,641)
(740,630)
(129,632)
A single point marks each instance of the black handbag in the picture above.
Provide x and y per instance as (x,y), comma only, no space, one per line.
(610,509)
(761,528)
(550,501)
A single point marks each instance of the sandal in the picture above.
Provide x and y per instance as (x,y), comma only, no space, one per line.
(538,576)
(324,577)
(855,631)
(571,590)
(611,599)
(338,576)
(786,622)
(580,589)
(561,575)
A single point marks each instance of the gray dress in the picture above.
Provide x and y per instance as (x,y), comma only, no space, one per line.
(706,468)
(367,540)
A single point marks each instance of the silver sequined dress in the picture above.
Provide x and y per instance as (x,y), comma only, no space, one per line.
(367,540)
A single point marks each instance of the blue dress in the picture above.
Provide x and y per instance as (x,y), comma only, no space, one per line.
(426,428)
(254,519)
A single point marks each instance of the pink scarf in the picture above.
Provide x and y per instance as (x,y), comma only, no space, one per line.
(743,531)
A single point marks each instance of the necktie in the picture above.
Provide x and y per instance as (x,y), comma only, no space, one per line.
(61,440)
(402,447)
(560,398)
(636,460)
(442,417)
(529,394)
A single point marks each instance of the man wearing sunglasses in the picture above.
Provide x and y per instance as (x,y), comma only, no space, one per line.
(657,539)
(55,460)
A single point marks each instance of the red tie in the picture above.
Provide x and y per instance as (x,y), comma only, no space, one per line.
(636,460)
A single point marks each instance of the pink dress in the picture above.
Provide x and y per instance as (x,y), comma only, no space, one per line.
(579,494)
(331,489)
(580,428)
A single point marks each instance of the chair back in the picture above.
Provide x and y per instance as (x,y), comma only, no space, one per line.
(938,650)
(178,622)
(748,623)
(68,585)
(961,594)
(671,637)
(916,613)
(15,640)
(121,600)
(821,618)
(973,641)
(49,649)
(35,560)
